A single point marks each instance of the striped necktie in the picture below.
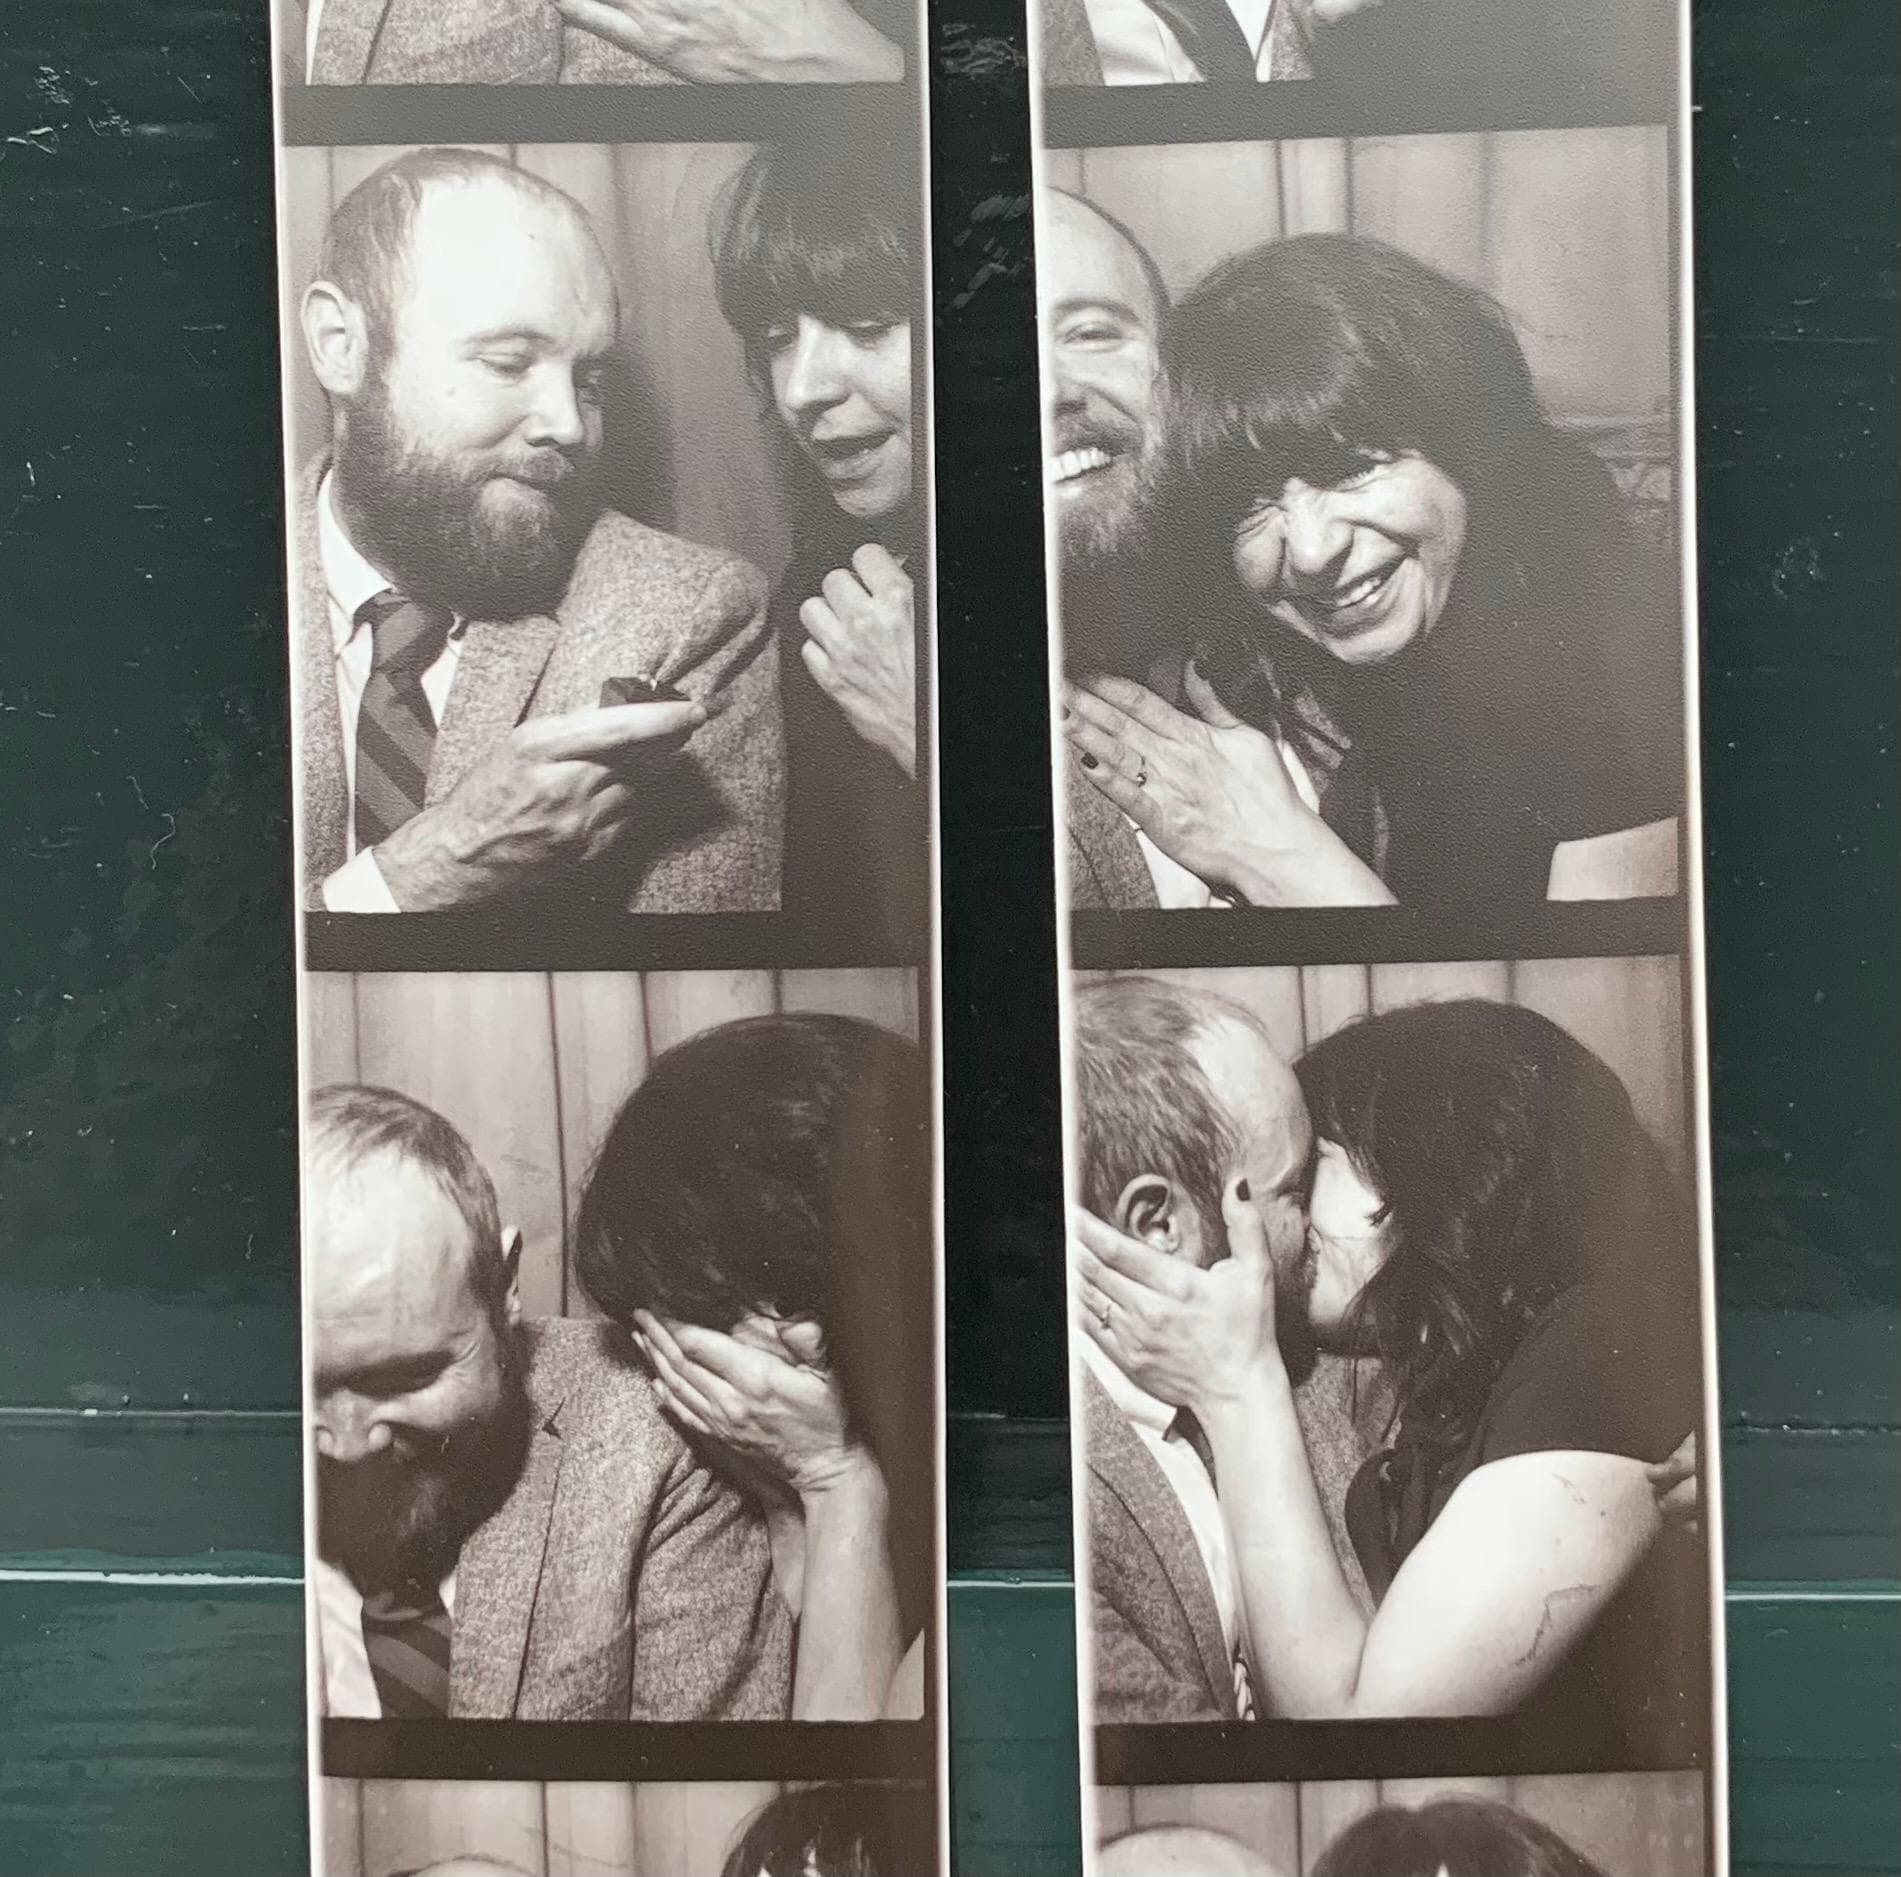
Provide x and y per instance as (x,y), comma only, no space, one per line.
(1187,1428)
(406,1636)
(395,728)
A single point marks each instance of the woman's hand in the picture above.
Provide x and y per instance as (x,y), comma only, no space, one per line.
(763,1393)
(712,42)
(863,650)
(1214,794)
(1674,1482)
(1193,1338)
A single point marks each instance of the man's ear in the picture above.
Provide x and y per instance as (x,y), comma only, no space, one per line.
(511,1275)
(336,337)
(1149,1208)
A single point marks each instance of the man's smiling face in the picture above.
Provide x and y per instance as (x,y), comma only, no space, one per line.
(1102,314)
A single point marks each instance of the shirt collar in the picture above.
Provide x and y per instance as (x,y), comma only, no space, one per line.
(1144,1409)
(347,576)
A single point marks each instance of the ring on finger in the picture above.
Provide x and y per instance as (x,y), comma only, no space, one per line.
(1141,777)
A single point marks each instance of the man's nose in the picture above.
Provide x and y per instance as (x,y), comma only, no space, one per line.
(1318,537)
(350,1429)
(558,418)
(814,375)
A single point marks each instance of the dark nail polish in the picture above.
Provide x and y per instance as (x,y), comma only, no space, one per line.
(1241,1191)
(1089,762)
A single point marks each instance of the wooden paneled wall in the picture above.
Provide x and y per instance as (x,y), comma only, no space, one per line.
(1625,1009)
(374,1827)
(690,453)
(1629,1824)
(1568,229)
(533,1067)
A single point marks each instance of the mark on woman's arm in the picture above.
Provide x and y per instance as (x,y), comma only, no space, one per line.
(1553,1610)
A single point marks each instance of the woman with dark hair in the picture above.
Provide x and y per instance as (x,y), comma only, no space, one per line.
(1439,664)
(1452,1837)
(816,262)
(1490,1220)
(759,1218)
(839,1831)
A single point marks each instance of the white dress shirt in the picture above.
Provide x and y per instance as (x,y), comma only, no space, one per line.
(1137,49)
(349,580)
(349,1686)
(1178,890)
(1154,1424)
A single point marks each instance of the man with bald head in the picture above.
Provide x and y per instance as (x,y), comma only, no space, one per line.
(507,1525)
(507,692)
(1178,1093)
(1180,1851)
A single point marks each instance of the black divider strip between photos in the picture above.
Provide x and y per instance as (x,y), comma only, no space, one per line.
(1254,1752)
(515,114)
(1373,935)
(607,939)
(1082,118)
(629,1751)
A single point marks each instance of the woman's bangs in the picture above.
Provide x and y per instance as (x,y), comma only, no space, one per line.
(1249,419)
(839,266)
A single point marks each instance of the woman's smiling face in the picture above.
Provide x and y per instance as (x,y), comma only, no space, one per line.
(1349,1238)
(1362,567)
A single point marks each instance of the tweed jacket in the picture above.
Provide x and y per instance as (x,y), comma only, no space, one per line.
(451,42)
(1106,868)
(621,1580)
(709,834)
(1160,1654)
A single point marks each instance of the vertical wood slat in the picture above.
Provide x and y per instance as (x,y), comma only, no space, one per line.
(410,1823)
(682,1827)
(339,1825)
(330,1029)
(478,1048)
(591,1830)
(1327,1808)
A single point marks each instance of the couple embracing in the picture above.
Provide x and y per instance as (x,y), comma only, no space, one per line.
(1390,1376)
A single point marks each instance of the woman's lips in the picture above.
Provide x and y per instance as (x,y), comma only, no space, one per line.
(843,458)
(1357,604)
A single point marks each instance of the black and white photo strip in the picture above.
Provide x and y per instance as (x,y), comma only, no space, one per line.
(622,1317)
(1366,522)
(608,516)
(594,42)
(1607,56)
(1570,1825)
(610,540)
(439,1828)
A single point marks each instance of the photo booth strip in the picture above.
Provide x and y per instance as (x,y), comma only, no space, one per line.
(1543,180)
(755,459)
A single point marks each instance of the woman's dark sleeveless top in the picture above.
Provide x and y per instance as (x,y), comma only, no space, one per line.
(1596,1374)
(857,860)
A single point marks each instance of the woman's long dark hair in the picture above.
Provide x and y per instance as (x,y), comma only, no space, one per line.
(1306,357)
(831,228)
(784,1163)
(839,1831)
(1513,1168)
(1451,1837)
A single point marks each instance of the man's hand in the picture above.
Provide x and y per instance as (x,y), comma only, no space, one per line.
(863,650)
(556,792)
(710,42)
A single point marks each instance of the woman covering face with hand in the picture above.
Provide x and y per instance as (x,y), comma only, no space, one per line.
(816,258)
(1490,1221)
(759,1218)
(1438,664)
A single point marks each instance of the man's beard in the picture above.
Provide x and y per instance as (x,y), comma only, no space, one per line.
(403,1516)
(423,518)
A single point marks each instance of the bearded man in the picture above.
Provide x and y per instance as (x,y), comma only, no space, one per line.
(507,691)
(507,1524)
